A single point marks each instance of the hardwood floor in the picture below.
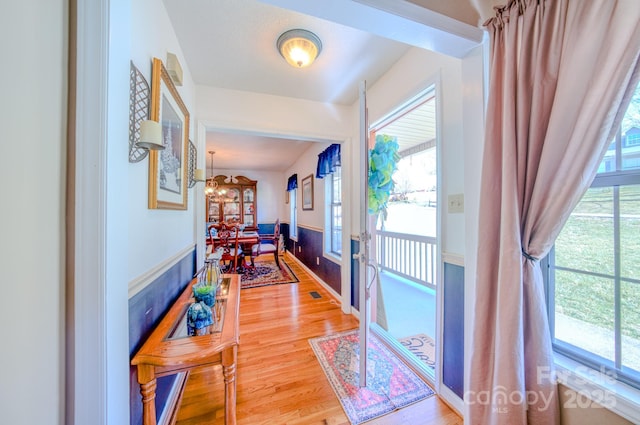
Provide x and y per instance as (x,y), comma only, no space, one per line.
(279,379)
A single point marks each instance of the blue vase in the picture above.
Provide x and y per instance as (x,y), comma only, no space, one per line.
(199,318)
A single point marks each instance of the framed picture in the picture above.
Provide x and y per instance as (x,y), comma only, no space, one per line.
(307,192)
(168,168)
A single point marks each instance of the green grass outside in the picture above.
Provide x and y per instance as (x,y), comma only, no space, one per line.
(587,243)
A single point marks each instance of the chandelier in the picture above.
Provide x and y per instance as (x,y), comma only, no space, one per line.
(211,187)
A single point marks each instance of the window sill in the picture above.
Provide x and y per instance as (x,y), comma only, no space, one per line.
(599,387)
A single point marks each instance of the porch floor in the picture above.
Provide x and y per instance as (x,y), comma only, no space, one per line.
(410,307)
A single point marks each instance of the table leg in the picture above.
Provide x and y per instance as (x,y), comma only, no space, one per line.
(229,358)
(147,380)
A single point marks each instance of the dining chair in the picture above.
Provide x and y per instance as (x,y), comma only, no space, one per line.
(231,251)
(268,244)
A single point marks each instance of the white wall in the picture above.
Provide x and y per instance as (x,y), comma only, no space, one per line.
(155,235)
(32,169)
(473,114)
(116,345)
(271,115)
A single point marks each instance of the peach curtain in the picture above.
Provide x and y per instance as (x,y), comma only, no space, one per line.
(561,76)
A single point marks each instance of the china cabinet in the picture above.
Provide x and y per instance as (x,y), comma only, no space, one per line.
(235,201)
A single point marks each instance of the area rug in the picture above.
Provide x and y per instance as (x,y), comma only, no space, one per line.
(390,383)
(423,347)
(267,273)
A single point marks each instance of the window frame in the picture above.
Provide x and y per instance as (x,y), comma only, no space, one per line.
(293,214)
(582,370)
(330,203)
(632,140)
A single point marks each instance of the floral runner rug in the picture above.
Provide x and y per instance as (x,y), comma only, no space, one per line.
(390,383)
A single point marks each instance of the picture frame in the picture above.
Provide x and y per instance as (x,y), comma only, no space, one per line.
(307,193)
(168,168)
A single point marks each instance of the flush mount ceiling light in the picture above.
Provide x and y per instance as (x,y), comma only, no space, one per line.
(299,47)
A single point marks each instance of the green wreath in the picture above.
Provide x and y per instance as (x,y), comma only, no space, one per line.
(383,162)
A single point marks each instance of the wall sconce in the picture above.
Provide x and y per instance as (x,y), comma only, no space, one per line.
(192,172)
(299,47)
(199,175)
(150,135)
(138,111)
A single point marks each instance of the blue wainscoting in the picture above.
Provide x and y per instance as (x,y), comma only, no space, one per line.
(146,308)
(453,329)
(285,232)
(308,249)
(355,275)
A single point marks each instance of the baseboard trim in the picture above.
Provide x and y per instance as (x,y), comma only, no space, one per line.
(355,313)
(452,400)
(322,283)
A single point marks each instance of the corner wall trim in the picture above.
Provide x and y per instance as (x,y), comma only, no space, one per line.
(141,282)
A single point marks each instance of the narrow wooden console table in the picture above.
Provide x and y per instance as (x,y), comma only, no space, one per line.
(169,349)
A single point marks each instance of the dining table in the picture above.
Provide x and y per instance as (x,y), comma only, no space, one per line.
(249,237)
(246,239)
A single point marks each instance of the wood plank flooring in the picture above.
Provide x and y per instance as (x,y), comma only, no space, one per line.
(279,379)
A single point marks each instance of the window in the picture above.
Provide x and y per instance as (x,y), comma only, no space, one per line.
(333,187)
(293,212)
(594,268)
(633,139)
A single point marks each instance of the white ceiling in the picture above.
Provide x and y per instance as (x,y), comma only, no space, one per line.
(250,152)
(232,44)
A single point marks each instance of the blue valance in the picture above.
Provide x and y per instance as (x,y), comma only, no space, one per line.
(328,160)
(292,183)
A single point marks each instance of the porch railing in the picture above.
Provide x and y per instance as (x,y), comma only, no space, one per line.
(410,256)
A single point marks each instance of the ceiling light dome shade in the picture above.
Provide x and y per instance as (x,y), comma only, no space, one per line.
(299,47)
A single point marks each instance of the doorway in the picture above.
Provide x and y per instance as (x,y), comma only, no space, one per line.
(405,239)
